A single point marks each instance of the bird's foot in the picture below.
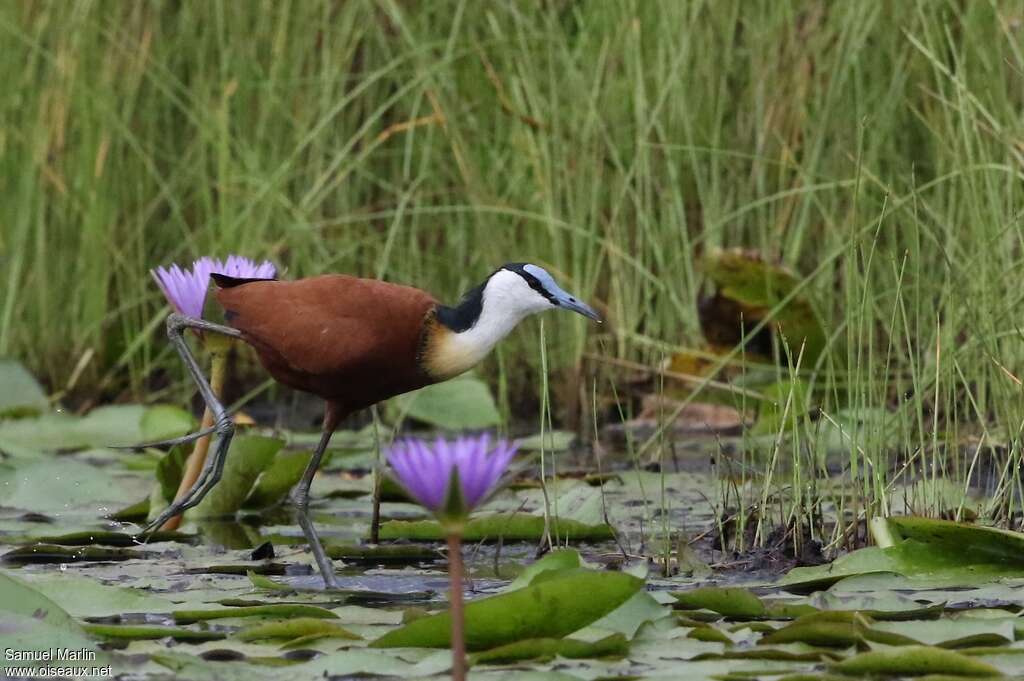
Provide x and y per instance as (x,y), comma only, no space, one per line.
(330,582)
(146,533)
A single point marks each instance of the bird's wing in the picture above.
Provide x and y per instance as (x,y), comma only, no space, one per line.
(331,324)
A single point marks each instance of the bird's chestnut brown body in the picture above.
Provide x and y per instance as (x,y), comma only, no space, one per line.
(352,341)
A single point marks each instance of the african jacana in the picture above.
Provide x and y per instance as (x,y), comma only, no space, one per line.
(355,342)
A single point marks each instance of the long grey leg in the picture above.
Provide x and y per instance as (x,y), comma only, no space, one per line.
(224,428)
(300,499)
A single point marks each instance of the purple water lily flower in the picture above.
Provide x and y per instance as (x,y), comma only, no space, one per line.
(238,266)
(426,471)
(186,289)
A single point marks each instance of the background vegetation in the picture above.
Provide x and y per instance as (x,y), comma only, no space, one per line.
(874,148)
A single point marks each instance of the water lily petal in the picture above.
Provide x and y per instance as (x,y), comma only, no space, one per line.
(425,469)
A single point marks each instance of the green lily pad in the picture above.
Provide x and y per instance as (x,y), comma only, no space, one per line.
(927,563)
(108,538)
(136,512)
(563,559)
(958,632)
(495,527)
(549,609)
(56,485)
(550,441)
(266,583)
(142,632)
(277,479)
(915,661)
(22,395)
(729,601)
(32,622)
(248,457)
(52,553)
(975,543)
(628,618)
(165,421)
(305,628)
(120,424)
(274,610)
(710,634)
(463,403)
(169,470)
(545,649)
(83,596)
(834,630)
(188,666)
(393,554)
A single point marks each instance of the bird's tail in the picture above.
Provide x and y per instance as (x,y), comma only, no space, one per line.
(225,281)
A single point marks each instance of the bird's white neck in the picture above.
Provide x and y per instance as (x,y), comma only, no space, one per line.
(504,301)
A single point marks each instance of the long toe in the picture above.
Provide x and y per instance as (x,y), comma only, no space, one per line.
(184,439)
(158,522)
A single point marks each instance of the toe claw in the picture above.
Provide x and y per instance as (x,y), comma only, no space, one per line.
(158,522)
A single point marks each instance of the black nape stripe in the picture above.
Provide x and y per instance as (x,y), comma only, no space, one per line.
(224,281)
(463,316)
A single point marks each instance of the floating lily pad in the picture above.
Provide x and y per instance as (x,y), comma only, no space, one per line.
(82,596)
(185,666)
(165,421)
(52,553)
(550,441)
(22,395)
(729,601)
(974,543)
(914,661)
(544,649)
(142,632)
(102,427)
(563,559)
(277,480)
(956,632)
(247,458)
(274,610)
(169,470)
(29,621)
(464,403)
(627,619)
(834,630)
(261,582)
(926,563)
(296,628)
(56,485)
(383,554)
(549,609)
(108,538)
(495,527)
(708,633)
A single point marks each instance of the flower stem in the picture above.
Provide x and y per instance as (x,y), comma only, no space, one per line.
(218,352)
(458,635)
